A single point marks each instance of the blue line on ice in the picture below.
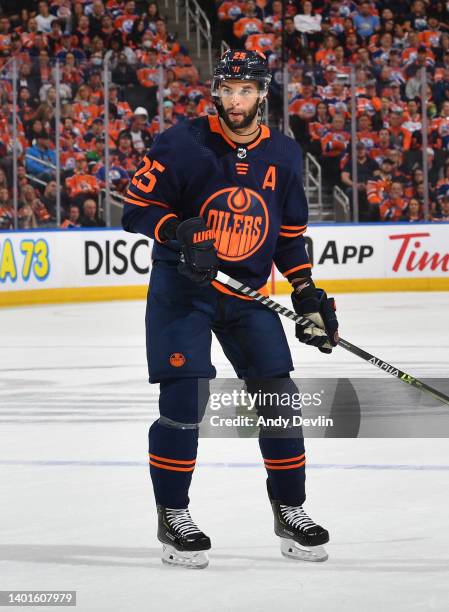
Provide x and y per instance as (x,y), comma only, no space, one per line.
(218,464)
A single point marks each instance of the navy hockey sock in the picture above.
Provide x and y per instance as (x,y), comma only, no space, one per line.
(285,464)
(173,440)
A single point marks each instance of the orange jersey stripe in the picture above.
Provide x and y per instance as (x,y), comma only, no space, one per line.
(285,460)
(293,227)
(160,222)
(302,267)
(139,202)
(172,469)
(291,234)
(167,460)
(285,467)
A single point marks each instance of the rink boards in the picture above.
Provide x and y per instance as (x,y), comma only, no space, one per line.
(49,266)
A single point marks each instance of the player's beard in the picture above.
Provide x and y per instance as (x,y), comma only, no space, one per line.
(247,119)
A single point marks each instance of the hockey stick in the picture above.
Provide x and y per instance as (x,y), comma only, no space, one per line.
(231,283)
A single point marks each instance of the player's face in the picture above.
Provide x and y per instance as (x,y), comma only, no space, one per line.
(240,102)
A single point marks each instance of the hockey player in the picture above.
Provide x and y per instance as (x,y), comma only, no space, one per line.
(225,192)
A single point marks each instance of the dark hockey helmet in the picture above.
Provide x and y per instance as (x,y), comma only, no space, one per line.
(241,66)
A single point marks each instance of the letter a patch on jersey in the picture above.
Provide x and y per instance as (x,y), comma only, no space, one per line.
(270,179)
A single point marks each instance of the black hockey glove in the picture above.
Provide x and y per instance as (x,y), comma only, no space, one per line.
(313,303)
(199,260)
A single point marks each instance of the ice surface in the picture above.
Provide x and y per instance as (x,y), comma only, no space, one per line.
(76,505)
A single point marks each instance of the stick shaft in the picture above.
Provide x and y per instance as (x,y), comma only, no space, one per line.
(231,283)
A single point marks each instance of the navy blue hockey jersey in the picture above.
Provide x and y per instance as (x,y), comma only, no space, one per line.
(252,196)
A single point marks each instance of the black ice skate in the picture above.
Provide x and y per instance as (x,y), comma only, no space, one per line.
(183,544)
(301,538)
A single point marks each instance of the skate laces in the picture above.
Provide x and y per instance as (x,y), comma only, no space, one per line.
(296,517)
(181,521)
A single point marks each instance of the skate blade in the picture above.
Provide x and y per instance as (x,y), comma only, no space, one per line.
(188,559)
(293,550)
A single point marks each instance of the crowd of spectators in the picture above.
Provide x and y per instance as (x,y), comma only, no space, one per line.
(322,41)
(132,40)
(386,45)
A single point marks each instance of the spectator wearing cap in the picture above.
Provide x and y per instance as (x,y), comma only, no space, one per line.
(139,131)
(365,22)
(68,47)
(366,168)
(90,217)
(123,108)
(40,160)
(124,154)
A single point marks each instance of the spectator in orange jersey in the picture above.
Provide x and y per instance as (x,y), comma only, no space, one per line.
(383,148)
(125,21)
(326,54)
(184,69)
(81,184)
(28,36)
(379,186)
(90,217)
(334,145)
(366,134)
(393,207)
(248,23)
(230,11)
(260,42)
(84,108)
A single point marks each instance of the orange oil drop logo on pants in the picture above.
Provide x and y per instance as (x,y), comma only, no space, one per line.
(177,360)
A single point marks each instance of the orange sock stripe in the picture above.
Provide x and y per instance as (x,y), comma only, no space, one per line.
(285,460)
(172,469)
(167,460)
(285,467)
